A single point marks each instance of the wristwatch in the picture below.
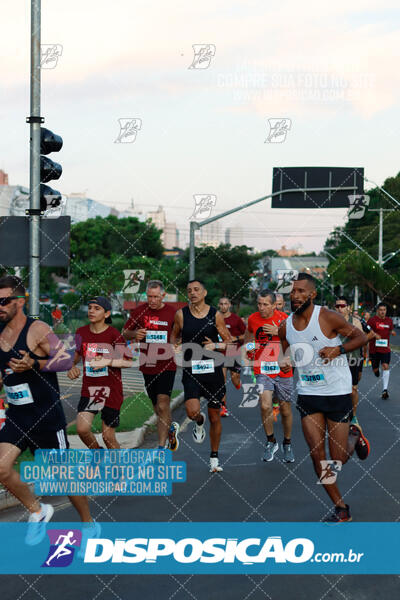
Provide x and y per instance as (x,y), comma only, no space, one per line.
(341,349)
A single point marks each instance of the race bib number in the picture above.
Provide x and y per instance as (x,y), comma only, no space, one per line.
(202,366)
(19,394)
(91,372)
(269,368)
(312,378)
(156,337)
(381,343)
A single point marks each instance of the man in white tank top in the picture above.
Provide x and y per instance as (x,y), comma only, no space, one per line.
(324,383)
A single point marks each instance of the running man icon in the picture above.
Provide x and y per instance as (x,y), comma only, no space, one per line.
(62,550)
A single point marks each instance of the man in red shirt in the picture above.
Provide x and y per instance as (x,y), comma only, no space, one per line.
(151,325)
(102,382)
(379,347)
(236,328)
(263,327)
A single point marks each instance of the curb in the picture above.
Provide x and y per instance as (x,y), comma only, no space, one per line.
(127,439)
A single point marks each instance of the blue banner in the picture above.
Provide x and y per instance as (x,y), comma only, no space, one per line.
(203,548)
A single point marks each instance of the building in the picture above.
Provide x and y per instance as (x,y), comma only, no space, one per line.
(14,200)
(210,235)
(314,265)
(234,236)
(3,178)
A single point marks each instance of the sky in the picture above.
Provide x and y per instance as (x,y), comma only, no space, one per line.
(328,69)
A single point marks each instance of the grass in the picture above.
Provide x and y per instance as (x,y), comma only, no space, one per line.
(135,411)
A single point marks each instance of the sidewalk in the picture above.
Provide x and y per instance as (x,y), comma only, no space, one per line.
(127,439)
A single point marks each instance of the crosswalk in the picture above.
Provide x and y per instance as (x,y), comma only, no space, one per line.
(132,380)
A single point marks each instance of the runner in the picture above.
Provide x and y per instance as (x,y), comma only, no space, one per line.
(102,382)
(236,328)
(354,358)
(280,303)
(367,362)
(30,356)
(379,346)
(151,325)
(324,384)
(197,327)
(263,327)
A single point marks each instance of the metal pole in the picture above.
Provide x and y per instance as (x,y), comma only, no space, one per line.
(192,256)
(380,260)
(34,224)
(356,297)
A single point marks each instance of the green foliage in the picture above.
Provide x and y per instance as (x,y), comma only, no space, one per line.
(110,236)
(225,271)
(354,266)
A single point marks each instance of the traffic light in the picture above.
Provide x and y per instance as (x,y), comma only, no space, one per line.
(49,142)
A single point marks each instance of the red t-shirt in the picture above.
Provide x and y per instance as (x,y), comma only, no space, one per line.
(235,326)
(103,386)
(383,327)
(267,346)
(156,343)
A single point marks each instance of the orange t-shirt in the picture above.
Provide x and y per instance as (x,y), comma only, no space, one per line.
(267,346)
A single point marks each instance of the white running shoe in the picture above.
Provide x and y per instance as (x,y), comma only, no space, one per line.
(37,525)
(199,432)
(215,466)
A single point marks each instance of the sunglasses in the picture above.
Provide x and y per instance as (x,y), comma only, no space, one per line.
(6,301)
(341,305)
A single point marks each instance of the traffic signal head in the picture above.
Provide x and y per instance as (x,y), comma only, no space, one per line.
(49,142)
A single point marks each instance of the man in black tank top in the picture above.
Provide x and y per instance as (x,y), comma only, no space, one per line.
(30,356)
(196,327)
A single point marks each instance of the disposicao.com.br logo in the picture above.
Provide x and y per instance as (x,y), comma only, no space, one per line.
(248,551)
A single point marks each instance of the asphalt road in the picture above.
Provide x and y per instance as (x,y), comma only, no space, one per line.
(248,490)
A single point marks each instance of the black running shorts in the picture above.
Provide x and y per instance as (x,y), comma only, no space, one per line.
(212,390)
(379,357)
(334,408)
(109,416)
(13,434)
(159,383)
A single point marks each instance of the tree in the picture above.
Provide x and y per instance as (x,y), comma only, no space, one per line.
(352,266)
(225,270)
(112,236)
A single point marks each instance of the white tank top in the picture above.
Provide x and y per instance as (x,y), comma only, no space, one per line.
(316,378)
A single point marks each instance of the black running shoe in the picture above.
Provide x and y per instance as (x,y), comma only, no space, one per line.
(385,395)
(339,515)
(376,373)
(362,446)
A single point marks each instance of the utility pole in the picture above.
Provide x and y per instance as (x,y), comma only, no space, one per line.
(198,224)
(34,121)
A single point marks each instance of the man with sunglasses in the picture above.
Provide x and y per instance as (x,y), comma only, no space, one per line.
(30,356)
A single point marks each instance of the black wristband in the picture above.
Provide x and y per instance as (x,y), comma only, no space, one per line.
(341,349)
(36,365)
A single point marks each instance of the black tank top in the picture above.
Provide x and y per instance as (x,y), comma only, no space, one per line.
(195,331)
(33,397)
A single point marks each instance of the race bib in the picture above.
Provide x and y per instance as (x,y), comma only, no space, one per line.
(269,368)
(156,337)
(202,366)
(91,372)
(381,343)
(314,378)
(19,394)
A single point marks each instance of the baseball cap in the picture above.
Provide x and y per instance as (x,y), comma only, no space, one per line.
(104,303)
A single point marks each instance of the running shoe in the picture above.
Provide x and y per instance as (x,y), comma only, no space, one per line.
(215,466)
(275,411)
(238,386)
(37,525)
(354,421)
(385,395)
(362,446)
(339,515)
(271,448)
(288,455)
(353,439)
(173,440)
(90,530)
(376,373)
(224,411)
(199,432)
